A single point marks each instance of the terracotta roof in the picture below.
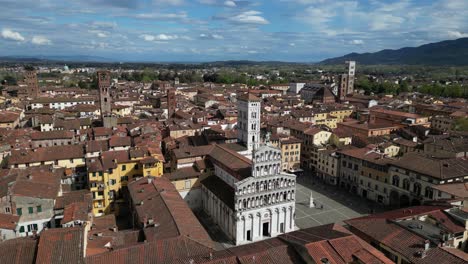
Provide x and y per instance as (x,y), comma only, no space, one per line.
(189,152)
(154,252)
(182,173)
(239,166)
(9,116)
(18,251)
(8,221)
(459,190)
(61,245)
(36,182)
(161,203)
(436,168)
(73,197)
(379,227)
(59,134)
(334,243)
(46,154)
(272,250)
(249,97)
(97,146)
(76,212)
(116,141)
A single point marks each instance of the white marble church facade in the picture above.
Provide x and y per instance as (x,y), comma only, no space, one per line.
(263,205)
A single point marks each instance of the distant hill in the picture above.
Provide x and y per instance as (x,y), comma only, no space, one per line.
(449,52)
(75,58)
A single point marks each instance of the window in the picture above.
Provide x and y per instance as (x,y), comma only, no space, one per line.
(187,184)
(32,227)
(124,178)
(19,211)
(21,230)
(30,210)
(7,210)
(100,173)
(39,208)
(124,167)
(136,166)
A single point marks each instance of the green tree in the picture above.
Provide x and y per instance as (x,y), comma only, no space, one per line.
(461,124)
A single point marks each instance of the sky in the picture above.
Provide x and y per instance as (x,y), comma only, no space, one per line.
(210,30)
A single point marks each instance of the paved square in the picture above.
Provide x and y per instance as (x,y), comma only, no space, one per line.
(338,205)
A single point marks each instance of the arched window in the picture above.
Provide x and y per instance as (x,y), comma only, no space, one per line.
(396,181)
(406,184)
(428,192)
(417,189)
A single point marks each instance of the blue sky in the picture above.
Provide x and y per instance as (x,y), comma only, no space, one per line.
(207,30)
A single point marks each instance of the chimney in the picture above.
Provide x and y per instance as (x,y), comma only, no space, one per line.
(150,180)
(426,245)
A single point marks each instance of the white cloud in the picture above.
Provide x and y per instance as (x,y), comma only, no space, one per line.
(166,37)
(356,42)
(41,40)
(99,33)
(457,34)
(211,36)
(249,17)
(161,16)
(230,3)
(12,35)
(161,37)
(292,44)
(148,37)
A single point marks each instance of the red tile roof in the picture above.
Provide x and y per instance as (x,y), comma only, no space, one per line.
(61,245)
(159,251)
(380,228)
(160,202)
(76,212)
(8,221)
(46,154)
(18,251)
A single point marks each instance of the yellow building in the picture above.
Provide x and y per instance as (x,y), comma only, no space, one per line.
(389,149)
(340,138)
(329,121)
(111,172)
(187,182)
(290,152)
(341,113)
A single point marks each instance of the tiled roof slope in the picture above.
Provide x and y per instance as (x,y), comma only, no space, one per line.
(61,245)
(158,200)
(18,251)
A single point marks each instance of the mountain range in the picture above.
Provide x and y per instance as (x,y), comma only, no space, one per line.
(449,52)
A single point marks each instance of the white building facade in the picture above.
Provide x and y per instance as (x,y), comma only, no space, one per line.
(263,204)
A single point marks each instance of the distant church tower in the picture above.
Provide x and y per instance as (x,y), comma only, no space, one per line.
(104,84)
(248,120)
(171,102)
(30,77)
(346,84)
(351,73)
